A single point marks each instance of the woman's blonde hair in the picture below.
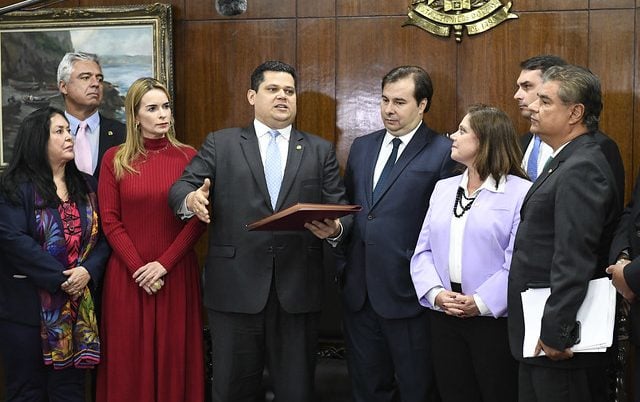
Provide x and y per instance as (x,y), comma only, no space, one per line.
(133,147)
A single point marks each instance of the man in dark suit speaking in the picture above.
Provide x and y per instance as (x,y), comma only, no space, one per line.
(80,81)
(567,221)
(391,173)
(263,289)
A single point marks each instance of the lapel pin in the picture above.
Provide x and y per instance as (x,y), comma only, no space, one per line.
(110,132)
(298,147)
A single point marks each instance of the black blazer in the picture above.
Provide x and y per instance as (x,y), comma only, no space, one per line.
(112,133)
(240,264)
(627,237)
(567,223)
(609,149)
(382,237)
(25,267)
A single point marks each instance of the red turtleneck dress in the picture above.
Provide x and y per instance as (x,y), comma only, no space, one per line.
(152,348)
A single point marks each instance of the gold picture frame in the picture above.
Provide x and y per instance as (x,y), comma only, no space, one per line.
(131,42)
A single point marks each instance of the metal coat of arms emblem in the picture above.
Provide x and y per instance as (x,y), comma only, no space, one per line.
(440,16)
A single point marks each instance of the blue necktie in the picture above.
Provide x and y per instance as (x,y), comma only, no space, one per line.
(532,163)
(387,168)
(273,168)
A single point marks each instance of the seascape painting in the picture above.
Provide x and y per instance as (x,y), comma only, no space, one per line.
(128,44)
(30,83)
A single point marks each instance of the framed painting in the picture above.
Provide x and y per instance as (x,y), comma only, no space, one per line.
(130,41)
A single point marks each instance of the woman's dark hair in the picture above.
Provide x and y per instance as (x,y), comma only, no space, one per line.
(498,150)
(30,162)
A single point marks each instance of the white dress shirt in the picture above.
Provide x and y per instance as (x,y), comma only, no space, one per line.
(456,244)
(543,155)
(262,132)
(385,151)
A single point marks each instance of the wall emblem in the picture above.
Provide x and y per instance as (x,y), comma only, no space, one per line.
(440,16)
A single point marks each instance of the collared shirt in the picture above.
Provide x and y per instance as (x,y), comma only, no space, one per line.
(93,134)
(262,132)
(543,154)
(560,148)
(456,237)
(387,147)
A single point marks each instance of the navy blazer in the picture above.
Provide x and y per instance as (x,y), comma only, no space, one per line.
(380,239)
(25,267)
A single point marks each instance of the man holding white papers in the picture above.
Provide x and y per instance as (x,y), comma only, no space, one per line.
(567,222)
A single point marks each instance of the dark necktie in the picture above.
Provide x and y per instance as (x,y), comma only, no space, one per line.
(387,168)
(532,163)
(547,164)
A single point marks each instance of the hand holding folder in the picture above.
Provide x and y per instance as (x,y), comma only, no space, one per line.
(596,316)
(294,217)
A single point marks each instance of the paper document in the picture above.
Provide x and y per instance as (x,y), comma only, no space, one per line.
(596,316)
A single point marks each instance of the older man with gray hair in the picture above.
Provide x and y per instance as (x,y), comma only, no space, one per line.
(567,223)
(80,81)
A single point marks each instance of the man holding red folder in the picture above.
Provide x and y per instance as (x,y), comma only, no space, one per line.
(263,289)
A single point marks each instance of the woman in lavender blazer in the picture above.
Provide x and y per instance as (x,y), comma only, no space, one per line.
(461,262)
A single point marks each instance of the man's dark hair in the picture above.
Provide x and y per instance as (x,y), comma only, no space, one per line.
(272,65)
(542,63)
(421,80)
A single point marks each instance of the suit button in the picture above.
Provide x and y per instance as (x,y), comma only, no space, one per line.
(638,233)
(270,249)
(370,217)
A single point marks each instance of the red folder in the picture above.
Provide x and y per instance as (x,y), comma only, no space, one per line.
(294,217)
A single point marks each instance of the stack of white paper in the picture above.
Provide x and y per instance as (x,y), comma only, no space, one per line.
(596,316)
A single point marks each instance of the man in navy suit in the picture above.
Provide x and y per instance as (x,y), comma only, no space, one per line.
(391,173)
(80,81)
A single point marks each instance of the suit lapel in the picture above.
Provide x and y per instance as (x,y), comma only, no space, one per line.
(294,158)
(251,151)
(555,164)
(417,143)
(371,157)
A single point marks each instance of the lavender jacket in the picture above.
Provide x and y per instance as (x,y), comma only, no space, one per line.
(488,239)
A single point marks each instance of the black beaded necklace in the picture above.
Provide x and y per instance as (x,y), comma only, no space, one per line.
(458,204)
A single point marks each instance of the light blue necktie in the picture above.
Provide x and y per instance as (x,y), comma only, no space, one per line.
(532,163)
(388,166)
(273,168)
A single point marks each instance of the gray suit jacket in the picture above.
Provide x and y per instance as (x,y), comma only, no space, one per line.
(240,264)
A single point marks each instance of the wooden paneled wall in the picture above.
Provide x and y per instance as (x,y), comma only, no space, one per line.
(342,48)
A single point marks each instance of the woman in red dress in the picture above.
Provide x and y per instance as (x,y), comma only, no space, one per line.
(151,319)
